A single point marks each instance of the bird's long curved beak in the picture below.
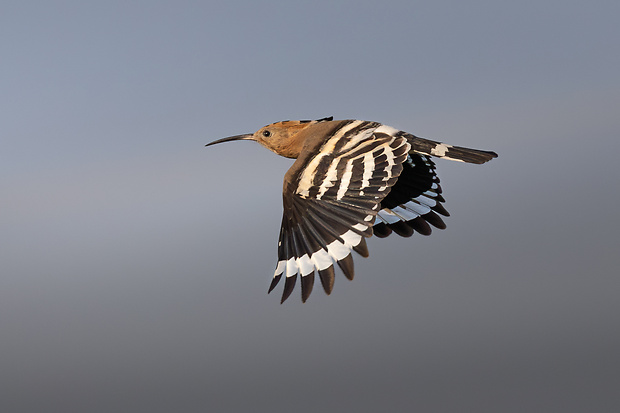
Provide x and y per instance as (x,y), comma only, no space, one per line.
(246,137)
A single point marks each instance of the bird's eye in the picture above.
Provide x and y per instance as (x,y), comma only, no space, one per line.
(266,133)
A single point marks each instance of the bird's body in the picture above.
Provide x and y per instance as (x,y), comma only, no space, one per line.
(351,179)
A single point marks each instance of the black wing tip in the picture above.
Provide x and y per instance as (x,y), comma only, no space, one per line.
(407,228)
(440,209)
(289,285)
(381,230)
(402,228)
(420,225)
(346,265)
(362,248)
(274,282)
(327,277)
(435,220)
(307,283)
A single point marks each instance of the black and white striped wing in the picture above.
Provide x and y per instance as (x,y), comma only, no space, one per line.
(331,197)
(414,201)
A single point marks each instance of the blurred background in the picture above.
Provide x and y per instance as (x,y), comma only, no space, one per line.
(134,262)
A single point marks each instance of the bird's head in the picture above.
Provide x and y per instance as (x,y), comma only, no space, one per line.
(278,137)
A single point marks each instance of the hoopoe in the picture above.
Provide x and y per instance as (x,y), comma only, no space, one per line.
(351,179)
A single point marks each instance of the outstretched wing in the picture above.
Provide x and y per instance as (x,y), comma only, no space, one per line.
(331,197)
(414,201)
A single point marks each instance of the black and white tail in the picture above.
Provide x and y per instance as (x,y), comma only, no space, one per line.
(453,153)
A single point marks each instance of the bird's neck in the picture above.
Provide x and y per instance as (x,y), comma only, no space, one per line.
(291,148)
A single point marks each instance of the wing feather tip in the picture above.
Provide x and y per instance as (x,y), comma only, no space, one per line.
(435,220)
(362,248)
(327,278)
(274,281)
(346,265)
(307,283)
(289,285)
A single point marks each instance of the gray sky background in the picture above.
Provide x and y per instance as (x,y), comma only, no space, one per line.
(135,263)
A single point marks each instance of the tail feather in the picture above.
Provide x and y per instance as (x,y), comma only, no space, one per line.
(454,153)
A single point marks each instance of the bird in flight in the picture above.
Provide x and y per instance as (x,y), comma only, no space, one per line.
(350,179)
